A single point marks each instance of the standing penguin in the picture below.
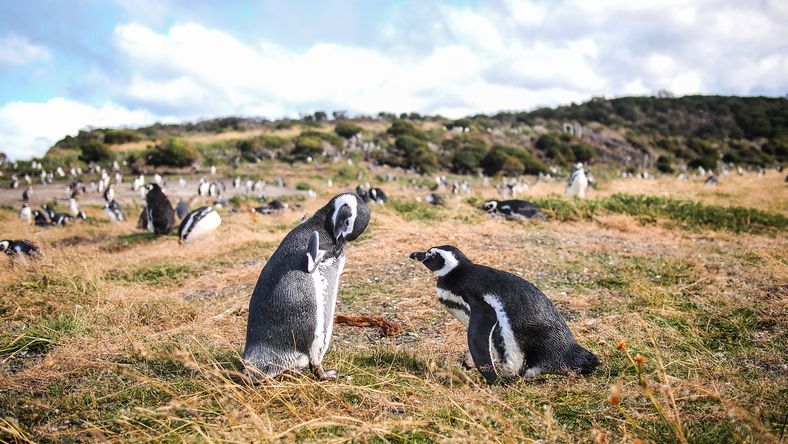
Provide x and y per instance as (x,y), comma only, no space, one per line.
(198,223)
(26,214)
(160,215)
(513,329)
(578,182)
(292,308)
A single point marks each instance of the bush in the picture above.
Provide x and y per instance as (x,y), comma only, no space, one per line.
(498,161)
(467,153)
(403,127)
(554,149)
(665,164)
(346,129)
(93,150)
(331,138)
(583,152)
(172,152)
(493,161)
(307,146)
(410,152)
(117,137)
(260,147)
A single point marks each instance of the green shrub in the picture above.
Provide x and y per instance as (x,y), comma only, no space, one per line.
(583,152)
(260,147)
(410,152)
(303,186)
(404,128)
(93,150)
(510,160)
(172,152)
(665,164)
(117,137)
(347,129)
(306,146)
(331,138)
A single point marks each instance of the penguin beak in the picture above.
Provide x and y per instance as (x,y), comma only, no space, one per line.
(419,256)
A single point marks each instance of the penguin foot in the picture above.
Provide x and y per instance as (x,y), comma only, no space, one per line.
(467,361)
(325,375)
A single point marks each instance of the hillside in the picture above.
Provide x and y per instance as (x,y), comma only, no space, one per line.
(629,133)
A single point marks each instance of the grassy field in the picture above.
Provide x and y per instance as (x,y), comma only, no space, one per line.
(121,335)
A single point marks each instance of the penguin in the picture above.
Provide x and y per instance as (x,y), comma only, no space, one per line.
(181,209)
(274,206)
(25,214)
(161,216)
(18,248)
(109,193)
(199,223)
(711,180)
(436,199)
(514,209)
(363,194)
(203,187)
(114,212)
(577,183)
(377,195)
(26,194)
(73,207)
(142,221)
(40,219)
(58,219)
(513,328)
(291,311)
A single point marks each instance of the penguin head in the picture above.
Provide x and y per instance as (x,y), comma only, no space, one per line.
(490,206)
(348,217)
(578,166)
(4,245)
(441,260)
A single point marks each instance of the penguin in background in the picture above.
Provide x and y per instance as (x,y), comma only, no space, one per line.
(114,212)
(40,219)
(513,328)
(26,214)
(577,183)
(18,248)
(160,214)
(291,312)
(181,209)
(198,223)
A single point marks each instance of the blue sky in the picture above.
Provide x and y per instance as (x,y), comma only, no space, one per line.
(68,64)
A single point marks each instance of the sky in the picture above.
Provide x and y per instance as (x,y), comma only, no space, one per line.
(69,64)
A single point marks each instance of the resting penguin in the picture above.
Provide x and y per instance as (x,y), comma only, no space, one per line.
(513,329)
(161,216)
(377,195)
(198,223)
(292,308)
(114,212)
(40,219)
(514,209)
(18,248)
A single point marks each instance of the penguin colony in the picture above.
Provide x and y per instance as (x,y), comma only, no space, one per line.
(513,330)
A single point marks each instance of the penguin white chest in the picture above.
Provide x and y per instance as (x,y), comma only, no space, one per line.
(326,282)
(455,305)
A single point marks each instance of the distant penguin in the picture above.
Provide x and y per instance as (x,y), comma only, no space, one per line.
(274,206)
(577,183)
(513,329)
(114,212)
(363,194)
(514,209)
(436,199)
(73,207)
(26,194)
(198,223)
(203,187)
(161,216)
(377,195)
(142,221)
(26,214)
(711,180)
(109,193)
(40,219)
(291,313)
(57,219)
(18,248)
(181,209)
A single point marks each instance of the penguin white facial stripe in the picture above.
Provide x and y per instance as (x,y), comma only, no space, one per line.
(350,201)
(449,261)
(514,358)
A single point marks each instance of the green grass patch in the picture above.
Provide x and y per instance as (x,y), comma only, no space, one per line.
(649,209)
(157,274)
(128,241)
(411,210)
(39,337)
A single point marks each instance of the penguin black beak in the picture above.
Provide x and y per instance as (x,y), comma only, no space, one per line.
(419,256)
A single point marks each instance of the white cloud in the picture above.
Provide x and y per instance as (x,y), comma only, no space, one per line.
(28,129)
(15,50)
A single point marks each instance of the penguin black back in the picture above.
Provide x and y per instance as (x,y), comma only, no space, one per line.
(160,211)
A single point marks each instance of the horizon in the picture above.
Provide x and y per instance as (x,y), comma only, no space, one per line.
(132,63)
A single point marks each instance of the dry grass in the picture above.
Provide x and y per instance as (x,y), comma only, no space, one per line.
(140,342)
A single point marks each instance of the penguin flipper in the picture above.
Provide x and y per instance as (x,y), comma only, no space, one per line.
(480,329)
(313,253)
